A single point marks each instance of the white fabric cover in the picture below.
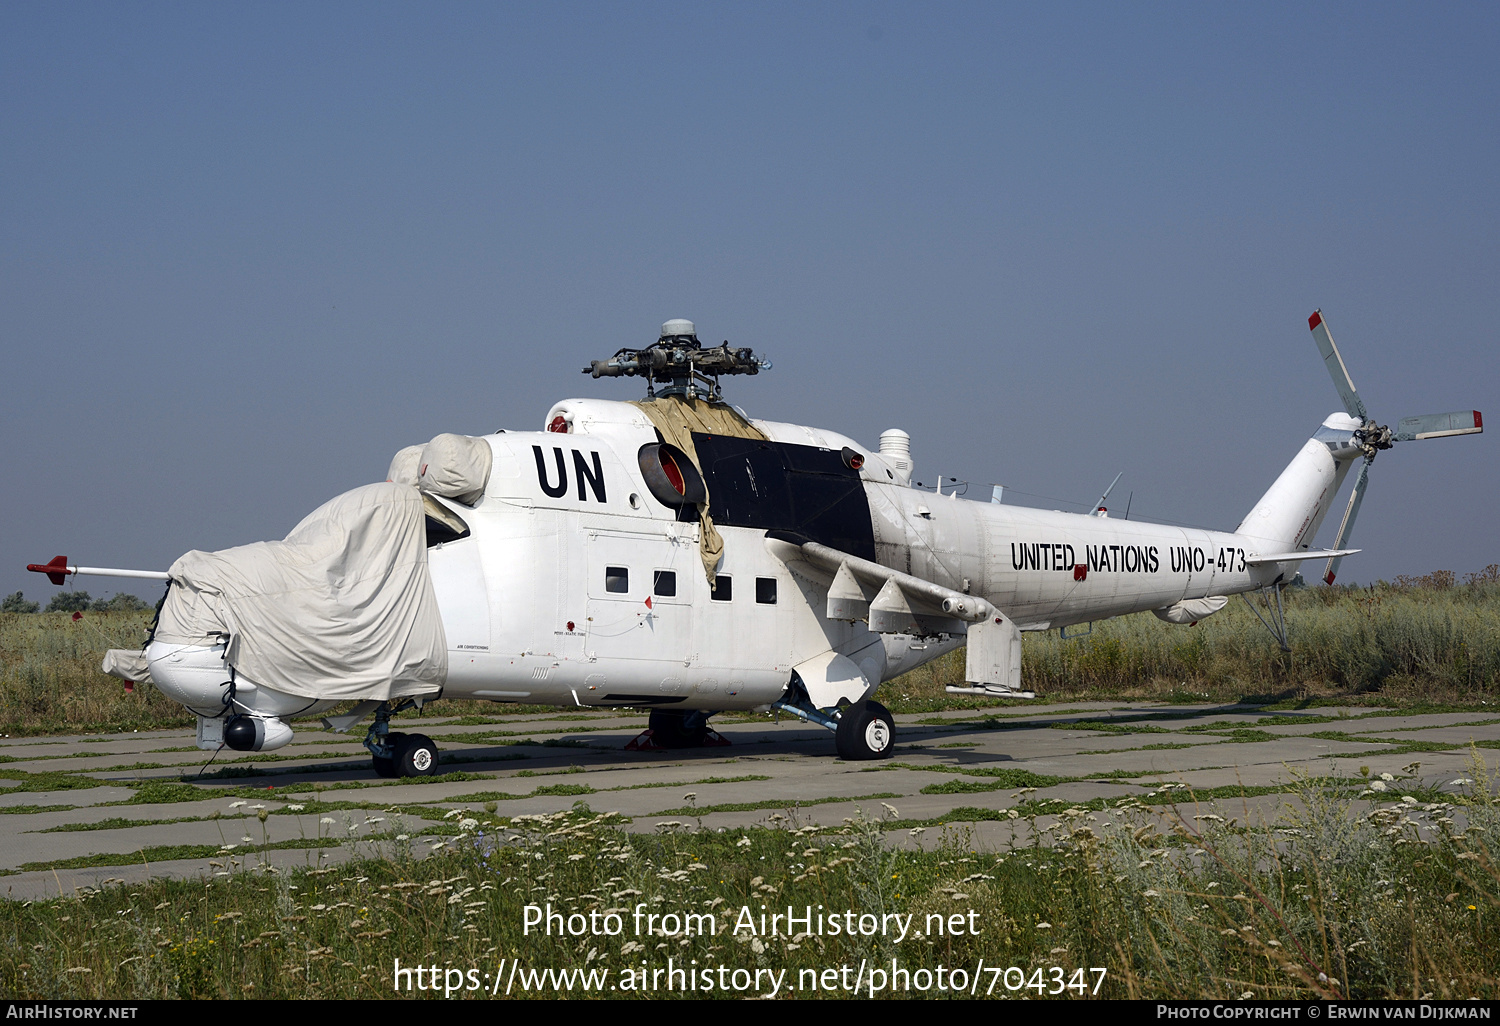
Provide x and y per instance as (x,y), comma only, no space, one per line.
(129,664)
(455,467)
(343,608)
(1191,610)
(405,465)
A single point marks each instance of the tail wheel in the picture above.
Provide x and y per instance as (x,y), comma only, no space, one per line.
(416,756)
(866,731)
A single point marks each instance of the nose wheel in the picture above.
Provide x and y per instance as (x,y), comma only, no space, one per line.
(394,754)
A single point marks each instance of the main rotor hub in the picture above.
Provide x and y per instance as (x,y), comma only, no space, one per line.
(677,359)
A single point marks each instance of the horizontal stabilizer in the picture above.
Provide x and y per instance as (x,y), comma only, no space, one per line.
(1292,557)
(1439,425)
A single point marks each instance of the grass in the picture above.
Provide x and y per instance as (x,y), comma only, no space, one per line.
(1426,642)
(167,853)
(116,823)
(962,787)
(1374,894)
(998,775)
(1420,642)
(14,780)
(800,803)
(31,810)
(1397,896)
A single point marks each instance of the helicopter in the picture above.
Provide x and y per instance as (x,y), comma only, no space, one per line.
(671,554)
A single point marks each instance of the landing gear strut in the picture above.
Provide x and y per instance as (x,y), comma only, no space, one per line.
(862,731)
(397,754)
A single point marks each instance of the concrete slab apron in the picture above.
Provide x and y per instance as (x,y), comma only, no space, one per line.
(802,782)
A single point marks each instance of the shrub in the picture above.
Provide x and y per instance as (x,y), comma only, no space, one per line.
(68,602)
(17,604)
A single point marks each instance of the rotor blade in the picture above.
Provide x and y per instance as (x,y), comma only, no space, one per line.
(1350,512)
(1336,369)
(1439,425)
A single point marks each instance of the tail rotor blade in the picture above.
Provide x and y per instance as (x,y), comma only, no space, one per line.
(1439,425)
(1350,512)
(1336,369)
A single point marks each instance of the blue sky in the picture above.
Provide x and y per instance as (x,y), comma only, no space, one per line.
(249,251)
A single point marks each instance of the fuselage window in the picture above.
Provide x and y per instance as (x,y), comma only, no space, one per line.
(443,525)
(765,591)
(723,588)
(616,579)
(665,583)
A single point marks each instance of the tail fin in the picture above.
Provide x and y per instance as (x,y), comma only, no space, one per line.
(1287,517)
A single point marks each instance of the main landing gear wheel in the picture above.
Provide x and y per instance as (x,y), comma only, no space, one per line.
(865,731)
(416,756)
(678,730)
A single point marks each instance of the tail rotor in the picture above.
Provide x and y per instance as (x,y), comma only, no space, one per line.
(1371,437)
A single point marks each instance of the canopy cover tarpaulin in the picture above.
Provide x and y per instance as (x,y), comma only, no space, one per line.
(455,467)
(676,419)
(404,466)
(343,608)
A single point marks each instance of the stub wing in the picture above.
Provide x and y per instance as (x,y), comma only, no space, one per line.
(892,602)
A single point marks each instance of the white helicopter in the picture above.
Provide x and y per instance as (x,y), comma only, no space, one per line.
(672,554)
